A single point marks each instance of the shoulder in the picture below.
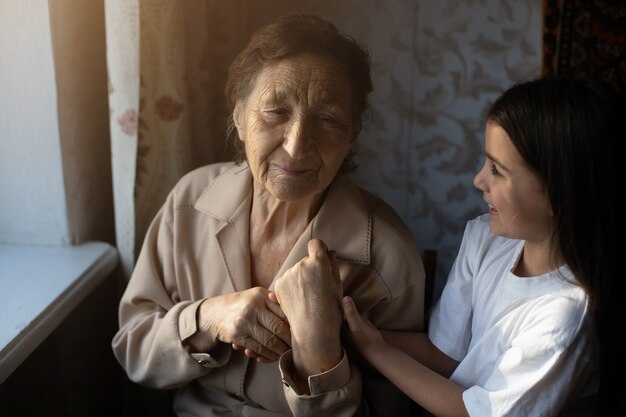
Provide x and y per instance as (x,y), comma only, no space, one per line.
(480,243)
(191,185)
(481,250)
(560,315)
(387,225)
(478,229)
(396,271)
(204,175)
(394,250)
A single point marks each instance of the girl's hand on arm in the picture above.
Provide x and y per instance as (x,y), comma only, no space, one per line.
(431,390)
(360,332)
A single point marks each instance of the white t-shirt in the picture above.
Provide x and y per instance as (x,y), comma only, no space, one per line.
(525,345)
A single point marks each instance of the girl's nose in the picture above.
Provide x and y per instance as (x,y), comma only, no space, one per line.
(479,181)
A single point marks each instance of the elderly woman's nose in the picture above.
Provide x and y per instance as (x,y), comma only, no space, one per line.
(297,141)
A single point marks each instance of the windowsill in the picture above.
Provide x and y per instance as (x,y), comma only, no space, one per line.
(39,287)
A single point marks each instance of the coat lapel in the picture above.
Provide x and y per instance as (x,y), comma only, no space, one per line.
(228,200)
(343,223)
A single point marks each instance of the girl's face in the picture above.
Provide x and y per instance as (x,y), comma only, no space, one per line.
(517,200)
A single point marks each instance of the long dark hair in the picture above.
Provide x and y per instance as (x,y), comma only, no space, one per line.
(568,131)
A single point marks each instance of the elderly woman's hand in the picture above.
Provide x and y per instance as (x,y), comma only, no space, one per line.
(246,319)
(310,295)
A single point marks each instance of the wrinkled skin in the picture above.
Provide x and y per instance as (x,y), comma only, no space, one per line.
(310,296)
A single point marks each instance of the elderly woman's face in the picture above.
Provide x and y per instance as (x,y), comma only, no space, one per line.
(297,127)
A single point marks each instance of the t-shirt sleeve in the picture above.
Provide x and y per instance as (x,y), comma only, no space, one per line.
(450,322)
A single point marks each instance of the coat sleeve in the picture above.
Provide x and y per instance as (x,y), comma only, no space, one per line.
(153,323)
(334,393)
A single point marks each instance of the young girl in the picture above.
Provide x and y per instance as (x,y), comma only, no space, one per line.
(526,321)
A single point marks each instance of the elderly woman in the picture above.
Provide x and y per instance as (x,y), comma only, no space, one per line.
(199,313)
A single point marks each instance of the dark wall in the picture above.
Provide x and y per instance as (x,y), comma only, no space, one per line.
(73,372)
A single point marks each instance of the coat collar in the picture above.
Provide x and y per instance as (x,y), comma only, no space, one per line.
(222,198)
(343,221)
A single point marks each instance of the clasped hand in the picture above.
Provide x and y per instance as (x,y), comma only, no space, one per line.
(310,295)
(246,319)
(304,313)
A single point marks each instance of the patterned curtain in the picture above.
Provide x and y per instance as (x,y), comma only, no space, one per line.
(586,38)
(166,66)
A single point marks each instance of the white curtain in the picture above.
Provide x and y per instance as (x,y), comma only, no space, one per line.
(122,39)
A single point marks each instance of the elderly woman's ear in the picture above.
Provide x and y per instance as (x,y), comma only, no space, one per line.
(238,120)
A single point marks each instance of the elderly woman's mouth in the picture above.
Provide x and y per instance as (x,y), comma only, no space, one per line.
(292,171)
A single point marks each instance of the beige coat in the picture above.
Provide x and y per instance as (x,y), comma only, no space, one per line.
(198,247)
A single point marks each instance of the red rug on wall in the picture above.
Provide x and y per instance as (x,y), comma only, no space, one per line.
(586,38)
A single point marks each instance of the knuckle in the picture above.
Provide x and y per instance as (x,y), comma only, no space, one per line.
(239,326)
(279,285)
(269,341)
(272,343)
(261,350)
(277,327)
(257,291)
(247,311)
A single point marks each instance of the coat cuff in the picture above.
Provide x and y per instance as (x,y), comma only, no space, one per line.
(187,323)
(331,380)
(188,326)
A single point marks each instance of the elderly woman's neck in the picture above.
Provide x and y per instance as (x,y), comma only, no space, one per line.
(275,227)
(276,215)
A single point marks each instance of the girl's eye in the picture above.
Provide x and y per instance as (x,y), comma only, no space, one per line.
(494,170)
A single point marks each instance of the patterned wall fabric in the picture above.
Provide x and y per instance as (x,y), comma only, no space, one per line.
(586,38)
(436,65)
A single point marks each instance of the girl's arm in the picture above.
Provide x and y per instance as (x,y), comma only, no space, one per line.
(430,389)
(419,347)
